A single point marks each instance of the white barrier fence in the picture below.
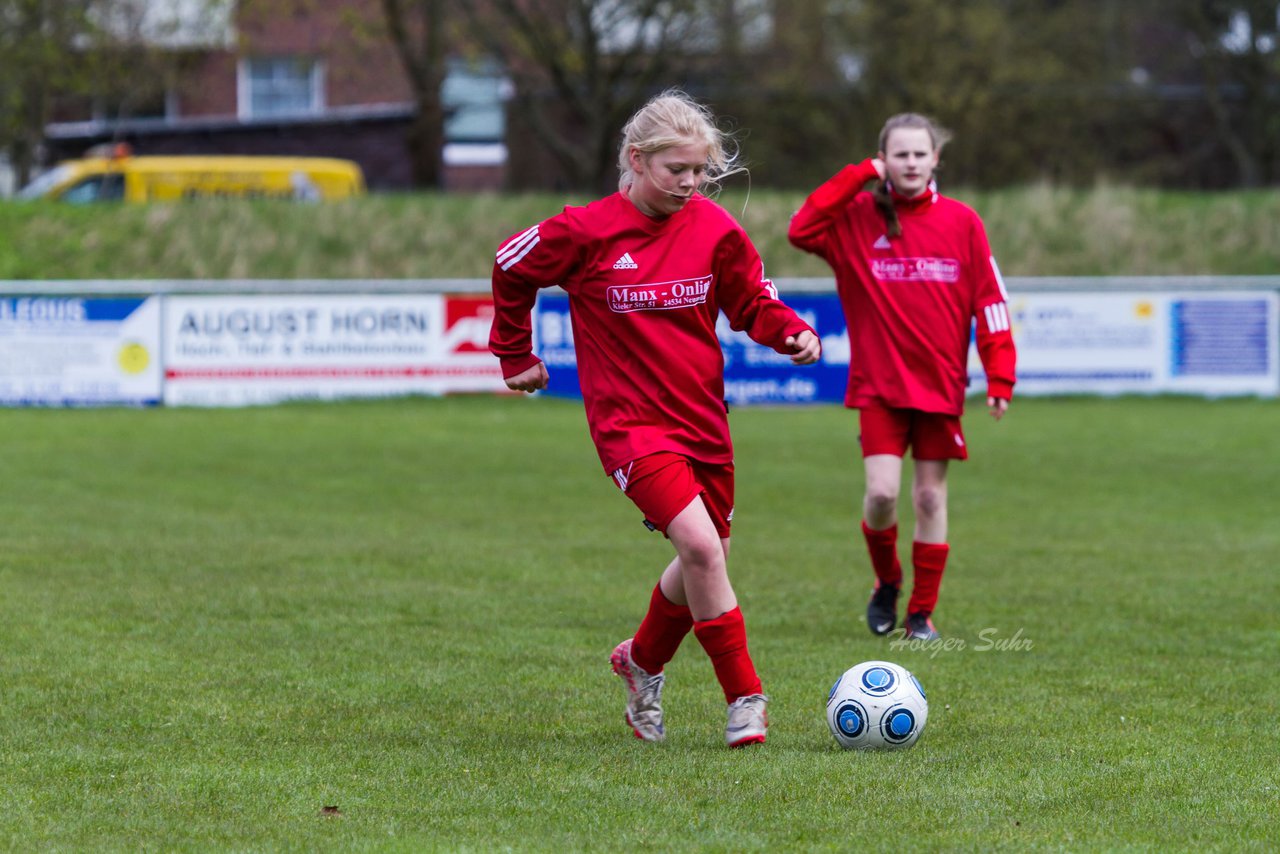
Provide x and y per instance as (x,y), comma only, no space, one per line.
(230,343)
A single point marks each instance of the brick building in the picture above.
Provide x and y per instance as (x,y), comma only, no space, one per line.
(304,78)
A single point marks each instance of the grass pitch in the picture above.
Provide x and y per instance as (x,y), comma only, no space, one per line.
(385,626)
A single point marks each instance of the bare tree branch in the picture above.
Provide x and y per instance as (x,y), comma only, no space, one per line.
(416,29)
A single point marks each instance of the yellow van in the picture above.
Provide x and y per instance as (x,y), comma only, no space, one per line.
(122,177)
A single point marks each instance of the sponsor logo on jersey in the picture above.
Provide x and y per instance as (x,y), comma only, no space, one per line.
(916,269)
(660,296)
(625,262)
(882,243)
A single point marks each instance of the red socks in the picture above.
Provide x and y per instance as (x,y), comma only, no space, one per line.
(725,640)
(929,561)
(660,633)
(882,546)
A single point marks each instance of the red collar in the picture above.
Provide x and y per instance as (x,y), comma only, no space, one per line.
(928,197)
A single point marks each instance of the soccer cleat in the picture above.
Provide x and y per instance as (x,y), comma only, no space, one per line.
(882,610)
(919,627)
(748,721)
(644,694)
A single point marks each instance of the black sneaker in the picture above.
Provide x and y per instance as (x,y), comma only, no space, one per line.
(919,627)
(882,610)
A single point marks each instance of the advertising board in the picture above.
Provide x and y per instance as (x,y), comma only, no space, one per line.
(1223,343)
(1219,343)
(238,350)
(82,348)
(79,351)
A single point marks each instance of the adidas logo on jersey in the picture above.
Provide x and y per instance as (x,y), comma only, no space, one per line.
(625,262)
(882,243)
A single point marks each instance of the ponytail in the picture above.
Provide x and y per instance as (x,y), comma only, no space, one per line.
(884,204)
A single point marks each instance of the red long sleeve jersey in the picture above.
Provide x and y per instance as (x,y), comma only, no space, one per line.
(909,300)
(644,295)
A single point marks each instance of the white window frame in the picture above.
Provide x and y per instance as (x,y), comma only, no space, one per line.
(244,87)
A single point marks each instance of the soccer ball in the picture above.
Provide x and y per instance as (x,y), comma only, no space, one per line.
(877,705)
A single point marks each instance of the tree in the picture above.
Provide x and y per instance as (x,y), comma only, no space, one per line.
(1184,92)
(1016,82)
(1236,47)
(137,49)
(789,89)
(417,28)
(106,52)
(38,58)
(580,67)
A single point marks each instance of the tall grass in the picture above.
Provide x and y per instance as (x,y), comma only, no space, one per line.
(1034,231)
(1116,230)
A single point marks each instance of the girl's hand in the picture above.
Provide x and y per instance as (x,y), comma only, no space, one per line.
(807,347)
(531,379)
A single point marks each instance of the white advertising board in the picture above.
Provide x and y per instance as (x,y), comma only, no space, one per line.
(253,349)
(79,351)
(1219,343)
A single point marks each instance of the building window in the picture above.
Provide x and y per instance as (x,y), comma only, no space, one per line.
(280,86)
(474,95)
(145,105)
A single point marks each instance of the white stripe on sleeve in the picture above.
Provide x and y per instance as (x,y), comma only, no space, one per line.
(997,315)
(516,260)
(520,244)
(995,268)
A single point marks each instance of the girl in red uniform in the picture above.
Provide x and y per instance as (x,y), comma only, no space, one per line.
(648,270)
(913,270)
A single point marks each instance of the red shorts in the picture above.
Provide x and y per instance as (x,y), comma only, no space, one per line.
(665,483)
(931,435)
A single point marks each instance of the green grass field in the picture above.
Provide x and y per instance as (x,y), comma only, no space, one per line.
(216,624)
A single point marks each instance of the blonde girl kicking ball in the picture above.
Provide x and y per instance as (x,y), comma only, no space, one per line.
(648,269)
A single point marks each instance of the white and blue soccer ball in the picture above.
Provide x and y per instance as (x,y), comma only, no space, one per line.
(877,705)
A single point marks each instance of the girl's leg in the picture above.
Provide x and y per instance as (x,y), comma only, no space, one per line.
(929,498)
(718,622)
(929,551)
(665,624)
(883,482)
(880,530)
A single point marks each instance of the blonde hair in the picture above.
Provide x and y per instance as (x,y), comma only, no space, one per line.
(938,136)
(670,119)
